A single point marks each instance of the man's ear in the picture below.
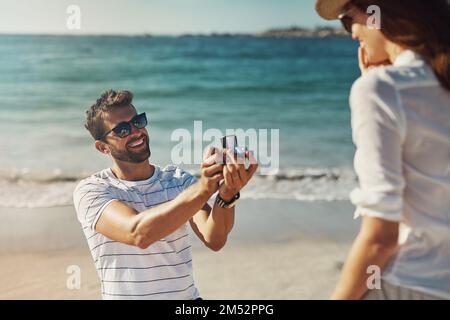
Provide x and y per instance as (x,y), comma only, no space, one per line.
(102,147)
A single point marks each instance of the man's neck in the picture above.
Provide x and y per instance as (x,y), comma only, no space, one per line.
(133,171)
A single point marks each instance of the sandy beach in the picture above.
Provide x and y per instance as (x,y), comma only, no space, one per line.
(278,250)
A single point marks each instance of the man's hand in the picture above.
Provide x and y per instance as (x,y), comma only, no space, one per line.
(211,172)
(235,174)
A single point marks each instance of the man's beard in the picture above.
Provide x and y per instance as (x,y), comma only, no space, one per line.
(129,155)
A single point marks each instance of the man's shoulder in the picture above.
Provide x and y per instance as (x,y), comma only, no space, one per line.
(99,180)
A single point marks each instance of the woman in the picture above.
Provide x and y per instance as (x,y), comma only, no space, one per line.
(401,127)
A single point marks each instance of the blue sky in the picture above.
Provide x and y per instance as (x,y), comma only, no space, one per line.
(156,16)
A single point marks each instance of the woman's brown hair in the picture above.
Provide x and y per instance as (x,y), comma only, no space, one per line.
(422,26)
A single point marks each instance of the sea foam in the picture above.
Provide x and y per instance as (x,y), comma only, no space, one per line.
(23,190)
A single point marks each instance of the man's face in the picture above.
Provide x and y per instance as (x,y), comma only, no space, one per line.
(133,148)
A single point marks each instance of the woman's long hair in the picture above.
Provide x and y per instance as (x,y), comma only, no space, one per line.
(422,26)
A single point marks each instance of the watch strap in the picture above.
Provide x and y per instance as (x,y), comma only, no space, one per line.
(227,204)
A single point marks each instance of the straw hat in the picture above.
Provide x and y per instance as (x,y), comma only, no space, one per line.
(330,9)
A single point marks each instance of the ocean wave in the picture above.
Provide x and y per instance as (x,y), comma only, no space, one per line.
(23,189)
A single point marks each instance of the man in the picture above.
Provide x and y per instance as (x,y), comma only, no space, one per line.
(134,214)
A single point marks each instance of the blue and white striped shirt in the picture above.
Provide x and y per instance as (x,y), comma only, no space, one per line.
(164,269)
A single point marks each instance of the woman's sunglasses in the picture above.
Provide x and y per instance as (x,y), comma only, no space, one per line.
(346,20)
(124,129)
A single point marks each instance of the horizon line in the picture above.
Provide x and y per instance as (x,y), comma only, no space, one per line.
(149,34)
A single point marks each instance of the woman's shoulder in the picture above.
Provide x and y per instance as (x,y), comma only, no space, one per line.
(377,84)
(376,79)
(376,93)
(397,77)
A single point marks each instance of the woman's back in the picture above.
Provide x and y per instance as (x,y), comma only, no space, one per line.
(401,125)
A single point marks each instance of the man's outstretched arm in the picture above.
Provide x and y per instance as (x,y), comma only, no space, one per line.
(121,223)
(212,226)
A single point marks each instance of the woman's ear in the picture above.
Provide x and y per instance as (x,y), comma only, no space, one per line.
(102,147)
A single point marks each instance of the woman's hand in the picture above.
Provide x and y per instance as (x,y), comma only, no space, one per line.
(365,65)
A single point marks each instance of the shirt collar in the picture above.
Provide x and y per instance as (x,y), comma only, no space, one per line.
(150,180)
(407,57)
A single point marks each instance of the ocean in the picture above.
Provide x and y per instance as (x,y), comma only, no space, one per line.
(298,86)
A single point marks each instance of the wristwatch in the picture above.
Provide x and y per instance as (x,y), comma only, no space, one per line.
(227,204)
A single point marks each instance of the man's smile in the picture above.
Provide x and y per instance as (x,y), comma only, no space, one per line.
(138,143)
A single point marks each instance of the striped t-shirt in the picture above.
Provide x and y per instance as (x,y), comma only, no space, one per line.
(164,269)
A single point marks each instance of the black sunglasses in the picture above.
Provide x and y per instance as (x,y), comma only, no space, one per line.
(346,21)
(124,129)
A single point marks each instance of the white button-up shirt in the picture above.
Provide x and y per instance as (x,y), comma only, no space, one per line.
(401,128)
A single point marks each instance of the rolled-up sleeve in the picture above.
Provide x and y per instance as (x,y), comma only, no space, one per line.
(378,128)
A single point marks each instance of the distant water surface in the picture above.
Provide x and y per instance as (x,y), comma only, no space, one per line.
(299,86)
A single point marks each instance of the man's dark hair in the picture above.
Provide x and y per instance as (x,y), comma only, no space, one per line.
(109,100)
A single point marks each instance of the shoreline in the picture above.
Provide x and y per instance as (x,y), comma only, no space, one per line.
(264,220)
